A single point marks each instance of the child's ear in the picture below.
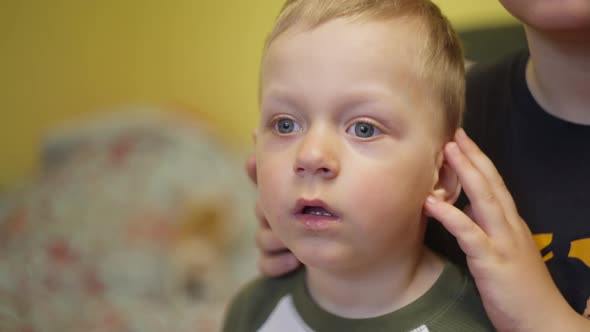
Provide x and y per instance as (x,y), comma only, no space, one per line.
(447,187)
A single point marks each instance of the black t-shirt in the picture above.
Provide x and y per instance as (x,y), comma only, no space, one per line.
(545,162)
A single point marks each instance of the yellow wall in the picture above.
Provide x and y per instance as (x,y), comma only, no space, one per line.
(63,58)
(473,13)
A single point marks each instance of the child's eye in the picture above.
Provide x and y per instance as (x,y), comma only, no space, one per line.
(286,126)
(363,130)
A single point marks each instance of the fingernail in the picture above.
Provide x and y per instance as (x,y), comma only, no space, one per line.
(431,199)
(452,147)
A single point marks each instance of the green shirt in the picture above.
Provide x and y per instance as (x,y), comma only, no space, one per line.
(284,305)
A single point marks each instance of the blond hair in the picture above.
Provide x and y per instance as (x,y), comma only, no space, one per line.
(442,56)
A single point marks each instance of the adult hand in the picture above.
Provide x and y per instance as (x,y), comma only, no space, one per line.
(516,288)
(275,259)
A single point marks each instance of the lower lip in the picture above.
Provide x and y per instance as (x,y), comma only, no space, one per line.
(314,222)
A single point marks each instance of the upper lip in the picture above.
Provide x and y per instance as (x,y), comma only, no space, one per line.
(302,203)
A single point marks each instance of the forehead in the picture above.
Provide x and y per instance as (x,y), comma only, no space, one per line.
(367,45)
(344,57)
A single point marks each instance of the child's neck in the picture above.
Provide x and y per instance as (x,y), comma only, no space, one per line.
(558,73)
(375,291)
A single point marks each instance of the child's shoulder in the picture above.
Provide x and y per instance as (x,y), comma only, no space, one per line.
(263,289)
(256,300)
(463,309)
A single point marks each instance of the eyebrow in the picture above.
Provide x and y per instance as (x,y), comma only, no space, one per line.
(356,99)
(352,98)
(279,97)
(370,97)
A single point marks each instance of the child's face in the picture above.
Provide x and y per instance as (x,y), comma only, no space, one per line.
(348,144)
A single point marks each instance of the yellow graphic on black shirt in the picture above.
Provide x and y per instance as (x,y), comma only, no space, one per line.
(544,240)
(579,249)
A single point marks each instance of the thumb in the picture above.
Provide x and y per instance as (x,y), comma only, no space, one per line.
(251,168)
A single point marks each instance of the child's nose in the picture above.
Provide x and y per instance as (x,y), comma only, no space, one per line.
(317,155)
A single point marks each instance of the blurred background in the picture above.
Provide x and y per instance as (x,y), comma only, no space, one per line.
(124,126)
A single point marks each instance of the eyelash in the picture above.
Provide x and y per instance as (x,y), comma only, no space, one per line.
(273,122)
(371,122)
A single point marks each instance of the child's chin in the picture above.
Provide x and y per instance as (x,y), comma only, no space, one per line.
(326,257)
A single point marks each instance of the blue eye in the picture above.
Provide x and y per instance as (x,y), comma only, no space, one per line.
(286,126)
(363,130)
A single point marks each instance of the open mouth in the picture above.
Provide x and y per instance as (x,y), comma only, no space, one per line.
(313,208)
(316,211)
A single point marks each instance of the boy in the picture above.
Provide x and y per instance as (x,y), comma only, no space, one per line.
(358,99)
(536,100)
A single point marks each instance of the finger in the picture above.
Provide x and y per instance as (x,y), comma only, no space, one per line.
(267,242)
(487,168)
(471,238)
(468,211)
(266,239)
(262,222)
(251,168)
(277,264)
(487,210)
